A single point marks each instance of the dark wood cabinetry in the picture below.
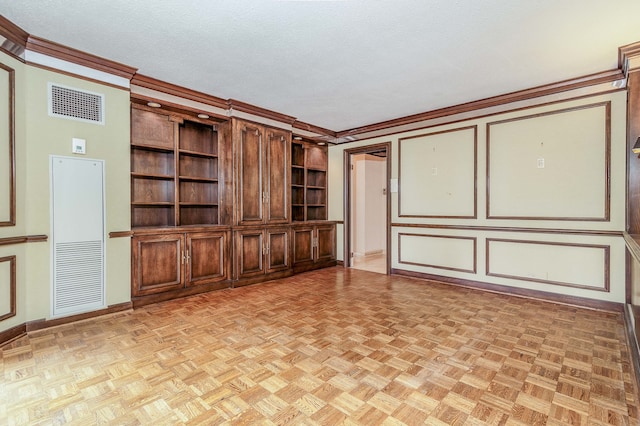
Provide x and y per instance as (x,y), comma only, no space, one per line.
(175,177)
(261,251)
(308,181)
(262,167)
(211,204)
(313,245)
(175,261)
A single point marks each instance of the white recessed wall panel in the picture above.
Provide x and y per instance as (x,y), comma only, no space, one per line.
(441,252)
(550,166)
(437,174)
(573,265)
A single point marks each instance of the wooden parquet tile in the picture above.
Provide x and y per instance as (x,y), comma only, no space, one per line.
(336,346)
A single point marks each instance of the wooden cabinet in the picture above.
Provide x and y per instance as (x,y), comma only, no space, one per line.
(262,179)
(261,251)
(313,245)
(175,178)
(167,262)
(308,181)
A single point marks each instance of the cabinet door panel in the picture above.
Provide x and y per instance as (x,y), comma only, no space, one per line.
(157,262)
(326,247)
(302,245)
(277,177)
(250,172)
(249,257)
(152,129)
(278,253)
(207,258)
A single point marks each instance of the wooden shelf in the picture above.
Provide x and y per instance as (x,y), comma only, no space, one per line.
(308,181)
(174,171)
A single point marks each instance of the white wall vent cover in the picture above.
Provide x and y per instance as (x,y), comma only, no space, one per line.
(75,104)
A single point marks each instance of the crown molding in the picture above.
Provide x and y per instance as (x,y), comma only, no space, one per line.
(629,57)
(15,38)
(68,54)
(522,95)
(236,105)
(179,91)
(301,126)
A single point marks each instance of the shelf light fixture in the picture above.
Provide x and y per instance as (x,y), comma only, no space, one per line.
(636,147)
(203,116)
(153,104)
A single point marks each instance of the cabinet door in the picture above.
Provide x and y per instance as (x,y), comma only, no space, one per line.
(206,258)
(249,248)
(157,263)
(250,188)
(326,242)
(302,245)
(278,148)
(277,249)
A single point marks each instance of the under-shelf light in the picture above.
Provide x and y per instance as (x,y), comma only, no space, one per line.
(153,104)
(203,116)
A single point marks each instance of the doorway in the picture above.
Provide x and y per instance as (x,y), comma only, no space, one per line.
(368,208)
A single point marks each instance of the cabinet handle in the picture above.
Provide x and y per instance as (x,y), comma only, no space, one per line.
(188,257)
(183,257)
(265,197)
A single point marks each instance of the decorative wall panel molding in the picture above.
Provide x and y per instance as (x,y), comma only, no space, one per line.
(438,251)
(551,166)
(7,147)
(585,266)
(7,287)
(437,174)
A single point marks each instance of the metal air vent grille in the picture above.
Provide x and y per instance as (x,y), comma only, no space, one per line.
(74,104)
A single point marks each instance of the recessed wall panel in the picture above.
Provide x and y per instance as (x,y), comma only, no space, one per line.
(442,252)
(7,172)
(437,175)
(7,287)
(552,166)
(573,265)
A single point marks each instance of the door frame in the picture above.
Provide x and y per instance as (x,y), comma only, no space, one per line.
(348,154)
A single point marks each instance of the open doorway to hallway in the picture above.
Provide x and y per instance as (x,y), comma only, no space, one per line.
(368,208)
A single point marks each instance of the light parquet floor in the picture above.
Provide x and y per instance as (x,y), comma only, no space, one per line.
(337,346)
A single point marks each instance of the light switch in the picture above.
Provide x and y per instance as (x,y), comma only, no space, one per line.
(541,163)
(78,146)
(393,185)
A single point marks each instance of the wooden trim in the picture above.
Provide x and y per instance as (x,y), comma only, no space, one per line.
(182,92)
(185,112)
(301,125)
(607,165)
(237,105)
(475,252)
(58,51)
(511,229)
(11,220)
(40,324)
(522,95)
(23,239)
(12,287)
(607,263)
(631,316)
(625,52)
(120,234)
(16,36)
(475,173)
(633,162)
(12,334)
(633,245)
(580,302)
(383,146)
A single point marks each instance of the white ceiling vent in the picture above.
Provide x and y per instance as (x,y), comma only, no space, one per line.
(75,104)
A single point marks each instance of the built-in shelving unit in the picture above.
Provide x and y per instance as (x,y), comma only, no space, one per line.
(308,181)
(174,171)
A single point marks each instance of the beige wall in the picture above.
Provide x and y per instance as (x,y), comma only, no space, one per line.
(37,137)
(551,221)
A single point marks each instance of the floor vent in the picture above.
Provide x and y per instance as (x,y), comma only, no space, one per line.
(74,104)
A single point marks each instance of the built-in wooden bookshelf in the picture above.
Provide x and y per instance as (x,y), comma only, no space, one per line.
(308,181)
(174,171)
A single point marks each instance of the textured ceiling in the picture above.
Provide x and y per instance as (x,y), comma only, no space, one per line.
(343,64)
